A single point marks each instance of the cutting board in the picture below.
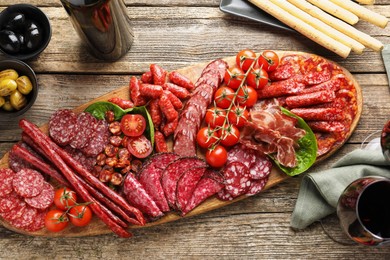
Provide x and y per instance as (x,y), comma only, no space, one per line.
(97,227)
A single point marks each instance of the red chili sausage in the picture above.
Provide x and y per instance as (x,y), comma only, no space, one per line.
(122,103)
(155,112)
(310,99)
(159,141)
(177,104)
(147,77)
(178,91)
(159,74)
(320,114)
(150,90)
(167,108)
(135,94)
(181,80)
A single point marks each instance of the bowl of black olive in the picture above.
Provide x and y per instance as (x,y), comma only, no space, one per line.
(25,31)
(18,88)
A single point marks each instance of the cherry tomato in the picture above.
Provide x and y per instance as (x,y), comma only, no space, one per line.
(80,215)
(238,116)
(229,136)
(224,96)
(206,137)
(217,157)
(245,58)
(215,117)
(56,220)
(64,198)
(246,96)
(133,124)
(257,78)
(268,60)
(139,146)
(233,77)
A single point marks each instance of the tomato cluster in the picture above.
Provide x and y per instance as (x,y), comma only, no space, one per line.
(67,210)
(232,101)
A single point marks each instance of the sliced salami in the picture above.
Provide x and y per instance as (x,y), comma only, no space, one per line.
(206,188)
(257,186)
(28,183)
(99,139)
(16,163)
(224,195)
(44,199)
(16,212)
(6,178)
(38,223)
(186,186)
(9,202)
(237,178)
(172,174)
(27,217)
(86,125)
(78,155)
(63,126)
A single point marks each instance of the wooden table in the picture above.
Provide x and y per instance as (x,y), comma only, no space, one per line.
(175,34)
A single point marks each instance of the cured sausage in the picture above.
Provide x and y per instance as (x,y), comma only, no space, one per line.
(178,91)
(257,186)
(186,186)
(122,103)
(167,108)
(98,141)
(38,223)
(237,178)
(150,90)
(320,114)
(176,102)
(86,127)
(135,94)
(8,202)
(44,199)
(147,77)
(63,126)
(181,80)
(327,127)
(6,178)
(315,98)
(155,112)
(158,73)
(320,74)
(28,183)
(159,142)
(289,86)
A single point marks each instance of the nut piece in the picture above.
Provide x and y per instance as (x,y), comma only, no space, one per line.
(24,85)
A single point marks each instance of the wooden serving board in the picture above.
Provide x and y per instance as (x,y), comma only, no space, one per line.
(97,227)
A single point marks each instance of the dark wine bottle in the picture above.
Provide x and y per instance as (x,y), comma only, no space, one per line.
(103,24)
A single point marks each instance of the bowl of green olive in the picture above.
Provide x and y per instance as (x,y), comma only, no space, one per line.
(18,88)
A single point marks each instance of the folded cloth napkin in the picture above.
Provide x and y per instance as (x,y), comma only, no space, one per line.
(320,191)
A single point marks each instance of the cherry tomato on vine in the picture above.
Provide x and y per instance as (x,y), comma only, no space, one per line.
(268,60)
(246,96)
(217,157)
(257,78)
(64,198)
(233,77)
(238,116)
(215,117)
(133,124)
(229,135)
(80,215)
(224,96)
(206,137)
(56,220)
(245,58)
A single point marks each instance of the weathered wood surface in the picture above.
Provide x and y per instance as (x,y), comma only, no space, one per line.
(176,34)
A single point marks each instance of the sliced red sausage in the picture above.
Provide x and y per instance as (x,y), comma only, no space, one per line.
(315,98)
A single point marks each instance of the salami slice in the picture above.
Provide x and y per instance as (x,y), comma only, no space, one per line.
(224,195)
(86,125)
(320,114)
(237,178)
(16,163)
(6,178)
(99,140)
(38,223)
(309,99)
(205,188)
(26,218)
(172,174)
(139,198)
(9,202)
(16,212)
(44,199)
(28,183)
(78,155)
(289,86)
(63,126)
(257,186)
(186,186)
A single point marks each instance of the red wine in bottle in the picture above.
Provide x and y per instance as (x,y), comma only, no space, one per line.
(103,25)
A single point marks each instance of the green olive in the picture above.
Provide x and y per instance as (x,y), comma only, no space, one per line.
(8,74)
(18,100)
(7,86)
(7,106)
(24,85)
(2,101)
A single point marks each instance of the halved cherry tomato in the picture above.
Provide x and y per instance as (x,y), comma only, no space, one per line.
(268,60)
(215,117)
(139,146)
(238,116)
(245,58)
(229,136)
(233,77)
(257,78)
(224,96)
(80,215)
(206,137)
(217,157)
(133,124)
(246,96)
(56,220)
(64,198)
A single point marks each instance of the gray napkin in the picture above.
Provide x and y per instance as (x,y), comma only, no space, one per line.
(320,191)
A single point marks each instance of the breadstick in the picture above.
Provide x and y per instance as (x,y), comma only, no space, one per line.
(362,12)
(366,2)
(320,25)
(343,27)
(303,27)
(336,10)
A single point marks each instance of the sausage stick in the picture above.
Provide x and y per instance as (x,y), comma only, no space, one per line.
(336,10)
(303,27)
(343,27)
(34,132)
(363,13)
(366,2)
(320,25)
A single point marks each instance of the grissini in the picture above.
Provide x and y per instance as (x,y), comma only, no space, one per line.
(302,27)
(366,2)
(320,25)
(343,27)
(336,10)
(363,13)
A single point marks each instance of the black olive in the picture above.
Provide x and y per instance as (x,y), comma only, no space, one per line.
(16,22)
(9,42)
(21,38)
(33,39)
(31,25)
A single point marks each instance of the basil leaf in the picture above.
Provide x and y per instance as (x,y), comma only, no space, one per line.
(306,153)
